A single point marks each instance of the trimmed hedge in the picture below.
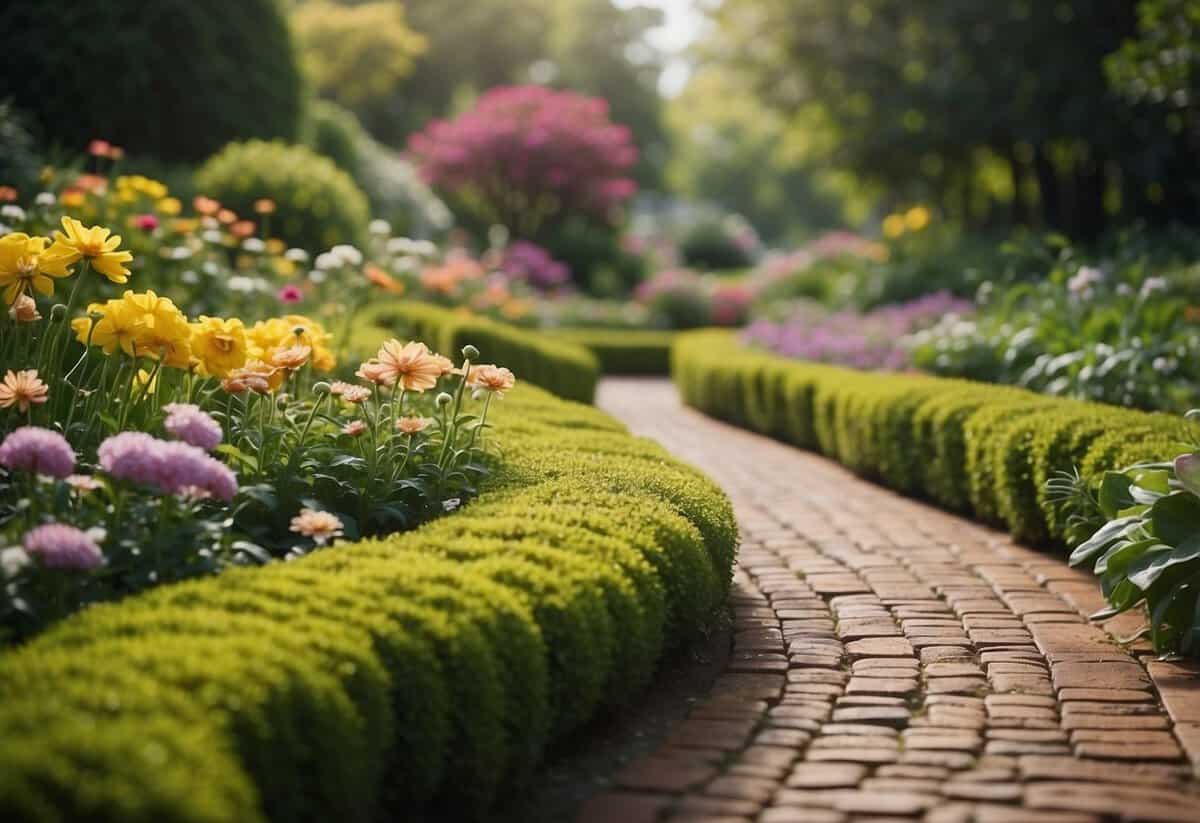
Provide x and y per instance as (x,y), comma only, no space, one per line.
(623,351)
(421,674)
(558,366)
(976,448)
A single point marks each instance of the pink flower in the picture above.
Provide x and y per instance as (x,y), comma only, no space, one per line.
(188,423)
(146,222)
(38,450)
(169,467)
(291,293)
(63,547)
(354,428)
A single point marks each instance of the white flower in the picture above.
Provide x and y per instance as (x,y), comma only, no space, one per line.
(328,260)
(211,236)
(1124,290)
(1084,279)
(45,198)
(380,227)
(317,276)
(400,245)
(254,244)
(12,560)
(349,255)
(13,212)
(241,283)
(1152,285)
(179,253)
(296,255)
(190,277)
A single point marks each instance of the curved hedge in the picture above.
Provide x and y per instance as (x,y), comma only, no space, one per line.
(975,448)
(560,367)
(171,79)
(419,674)
(623,351)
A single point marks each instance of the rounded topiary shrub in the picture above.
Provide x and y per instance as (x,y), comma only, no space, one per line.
(335,132)
(711,246)
(173,79)
(317,205)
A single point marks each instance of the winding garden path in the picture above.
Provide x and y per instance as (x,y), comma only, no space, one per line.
(892,661)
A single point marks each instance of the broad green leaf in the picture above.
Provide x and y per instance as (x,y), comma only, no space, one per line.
(1114,493)
(1176,517)
(1143,571)
(1155,480)
(1122,553)
(1103,538)
(234,453)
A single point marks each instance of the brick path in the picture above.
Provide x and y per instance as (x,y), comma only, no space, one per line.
(894,662)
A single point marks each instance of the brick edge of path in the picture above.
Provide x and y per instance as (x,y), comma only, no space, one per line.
(893,662)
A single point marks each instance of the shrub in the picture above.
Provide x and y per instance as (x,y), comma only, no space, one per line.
(711,246)
(317,204)
(565,369)
(335,132)
(623,352)
(173,79)
(976,448)
(19,163)
(418,674)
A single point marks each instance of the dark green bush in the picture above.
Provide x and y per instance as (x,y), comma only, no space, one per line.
(335,132)
(19,160)
(981,449)
(709,246)
(173,79)
(559,366)
(418,676)
(317,204)
(624,351)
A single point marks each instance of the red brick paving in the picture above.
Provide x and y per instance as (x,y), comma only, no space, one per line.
(894,662)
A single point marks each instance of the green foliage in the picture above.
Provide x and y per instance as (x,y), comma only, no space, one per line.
(174,79)
(623,352)
(19,163)
(335,132)
(709,245)
(317,204)
(566,369)
(980,449)
(424,673)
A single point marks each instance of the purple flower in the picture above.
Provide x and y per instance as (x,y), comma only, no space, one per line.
(188,423)
(38,450)
(169,467)
(63,547)
(530,262)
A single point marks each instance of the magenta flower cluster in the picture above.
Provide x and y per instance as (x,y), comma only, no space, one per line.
(169,467)
(37,450)
(59,546)
(533,264)
(188,423)
(523,150)
(862,341)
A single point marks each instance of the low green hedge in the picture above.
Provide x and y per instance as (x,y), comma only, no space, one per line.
(418,676)
(623,351)
(975,448)
(558,366)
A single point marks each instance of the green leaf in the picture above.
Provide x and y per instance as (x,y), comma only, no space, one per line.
(234,453)
(1145,570)
(1117,558)
(1176,517)
(1155,480)
(1114,493)
(1103,538)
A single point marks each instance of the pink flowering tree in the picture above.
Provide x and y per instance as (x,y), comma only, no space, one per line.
(530,157)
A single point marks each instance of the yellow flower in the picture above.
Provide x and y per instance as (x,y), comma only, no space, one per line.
(917,218)
(147,379)
(169,206)
(25,265)
(893,226)
(117,328)
(93,243)
(72,198)
(293,330)
(163,331)
(218,345)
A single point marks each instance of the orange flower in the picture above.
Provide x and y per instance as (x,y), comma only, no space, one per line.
(7,194)
(383,280)
(255,376)
(410,366)
(444,363)
(22,389)
(495,379)
(320,526)
(356,394)
(373,372)
(24,310)
(205,205)
(291,358)
(226,216)
(354,428)
(411,425)
(242,228)
(264,206)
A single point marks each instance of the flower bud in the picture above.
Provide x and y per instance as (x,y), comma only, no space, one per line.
(321,388)
(443,400)
(470,352)
(58,312)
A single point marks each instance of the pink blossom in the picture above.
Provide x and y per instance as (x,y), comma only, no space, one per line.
(291,293)
(63,547)
(146,222)
(188,423)
(38,450)
(169,467)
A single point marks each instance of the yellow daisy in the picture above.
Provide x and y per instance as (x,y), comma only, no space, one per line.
(93,243)
(25,265)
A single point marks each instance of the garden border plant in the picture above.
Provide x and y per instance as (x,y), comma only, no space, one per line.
(427,670)
(979,449)
(623,351)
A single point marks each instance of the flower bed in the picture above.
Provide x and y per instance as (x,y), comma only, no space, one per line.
(976,448)
(623,351)
(426,670)
(560,367)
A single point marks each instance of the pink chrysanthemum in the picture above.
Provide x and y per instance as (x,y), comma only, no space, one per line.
(291,293)
(63,547)
(188,423)
(170,467)
(38,450)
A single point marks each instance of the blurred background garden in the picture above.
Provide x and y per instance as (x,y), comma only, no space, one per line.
(1003,191)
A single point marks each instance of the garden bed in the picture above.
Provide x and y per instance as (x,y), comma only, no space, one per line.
(975,448)
(424,672)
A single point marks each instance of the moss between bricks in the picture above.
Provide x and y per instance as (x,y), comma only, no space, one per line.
(422,674)
(980,449)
